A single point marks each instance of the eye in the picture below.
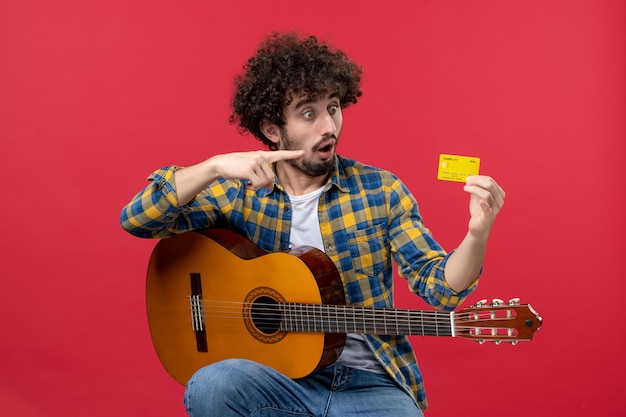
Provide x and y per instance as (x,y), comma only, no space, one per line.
(332,109)
(308,114)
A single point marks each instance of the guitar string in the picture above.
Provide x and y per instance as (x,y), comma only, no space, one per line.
(367,310)
(356,313)
(339,309)
(406,326)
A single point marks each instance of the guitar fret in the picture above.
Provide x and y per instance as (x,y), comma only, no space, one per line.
(385,323)
(297,323)
(332,314)
(283,315)
(337,315)
(396,319)
(373,320)
(291,317)
(319,319)
(328,321)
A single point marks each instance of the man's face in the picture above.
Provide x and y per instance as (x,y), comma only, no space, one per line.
(313,125)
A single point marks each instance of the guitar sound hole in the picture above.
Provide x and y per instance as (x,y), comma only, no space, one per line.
(266,315)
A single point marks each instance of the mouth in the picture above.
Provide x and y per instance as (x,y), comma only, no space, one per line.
(326,148)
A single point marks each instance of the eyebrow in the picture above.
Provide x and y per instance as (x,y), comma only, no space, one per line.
(308,100)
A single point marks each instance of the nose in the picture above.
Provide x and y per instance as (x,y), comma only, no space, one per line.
(327,125)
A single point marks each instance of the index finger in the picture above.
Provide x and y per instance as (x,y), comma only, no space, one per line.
(273,156)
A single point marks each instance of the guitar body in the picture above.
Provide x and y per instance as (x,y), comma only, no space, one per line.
(223,269)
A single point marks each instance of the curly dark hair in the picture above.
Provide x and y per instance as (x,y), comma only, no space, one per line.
(287,64)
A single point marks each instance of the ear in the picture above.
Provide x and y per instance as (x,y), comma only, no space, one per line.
(270,130)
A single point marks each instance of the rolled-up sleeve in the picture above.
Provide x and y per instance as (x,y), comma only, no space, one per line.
(153,209)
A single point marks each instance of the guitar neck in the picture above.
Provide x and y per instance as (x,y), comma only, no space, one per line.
(315,318)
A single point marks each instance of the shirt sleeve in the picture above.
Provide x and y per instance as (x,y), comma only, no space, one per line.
(421,260)
(155,213)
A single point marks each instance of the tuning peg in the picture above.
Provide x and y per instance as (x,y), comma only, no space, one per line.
(513,342)
(496,302)
(513,302)
(480,303)
(496,342)
(480,342)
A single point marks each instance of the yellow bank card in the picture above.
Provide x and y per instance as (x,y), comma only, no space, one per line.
(457,167)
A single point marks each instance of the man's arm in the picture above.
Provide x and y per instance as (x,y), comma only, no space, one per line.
(252,166)
(155,210)
(486,201)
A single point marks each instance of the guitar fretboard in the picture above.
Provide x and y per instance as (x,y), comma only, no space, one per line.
(298,317)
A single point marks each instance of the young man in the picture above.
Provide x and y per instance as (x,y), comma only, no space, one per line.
(300,192)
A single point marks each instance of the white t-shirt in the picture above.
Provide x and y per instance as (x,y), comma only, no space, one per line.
(305,230)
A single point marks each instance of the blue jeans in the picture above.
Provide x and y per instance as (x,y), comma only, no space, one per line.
(237,387)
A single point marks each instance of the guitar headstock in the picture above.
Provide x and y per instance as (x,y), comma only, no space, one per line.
(497,322)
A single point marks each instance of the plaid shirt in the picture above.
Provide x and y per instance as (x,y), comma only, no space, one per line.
(367,216)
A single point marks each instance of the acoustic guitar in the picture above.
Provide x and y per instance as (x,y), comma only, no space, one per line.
(213,295)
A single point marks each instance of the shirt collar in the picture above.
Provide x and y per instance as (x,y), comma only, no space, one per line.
(337,178)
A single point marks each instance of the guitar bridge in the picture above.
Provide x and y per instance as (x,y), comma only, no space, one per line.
(197,312)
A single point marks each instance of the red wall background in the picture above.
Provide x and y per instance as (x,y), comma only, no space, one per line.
(95,95)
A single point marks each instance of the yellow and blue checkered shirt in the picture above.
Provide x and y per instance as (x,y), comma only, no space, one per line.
(367,216)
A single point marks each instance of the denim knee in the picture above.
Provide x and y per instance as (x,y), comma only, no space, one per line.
(220,378)
(215,385)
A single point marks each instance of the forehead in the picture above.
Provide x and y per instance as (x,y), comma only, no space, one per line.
(295,101)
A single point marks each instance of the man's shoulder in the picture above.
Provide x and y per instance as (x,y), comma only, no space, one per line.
(357,167)
(358,175)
